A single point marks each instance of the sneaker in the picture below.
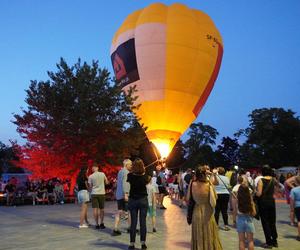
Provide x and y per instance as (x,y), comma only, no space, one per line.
(226,228)
(116,233)
(83,226)
(275,244)
(102,226)
(154,230)
(298,238)
(144,246)
(131,247)
(97,226)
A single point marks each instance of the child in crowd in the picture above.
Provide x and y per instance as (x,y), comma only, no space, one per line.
(151,190)
(245,212)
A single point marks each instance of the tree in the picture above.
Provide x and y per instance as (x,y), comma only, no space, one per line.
(7,157)
(273,137)
(229,151)
(198,146)
(78,115)
(199,135)
(176,157)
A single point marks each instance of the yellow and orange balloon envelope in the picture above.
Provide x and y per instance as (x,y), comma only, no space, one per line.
(173,55)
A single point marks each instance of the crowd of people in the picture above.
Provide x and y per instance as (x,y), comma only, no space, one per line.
(204,191)
(211,191)
(50,191)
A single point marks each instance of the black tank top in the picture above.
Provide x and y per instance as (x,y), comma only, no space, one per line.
(268,189)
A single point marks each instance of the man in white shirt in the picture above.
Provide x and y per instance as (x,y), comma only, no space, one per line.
(97,182)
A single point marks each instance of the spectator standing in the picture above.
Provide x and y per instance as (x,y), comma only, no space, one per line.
(180,189)
(223,197)
(152,205)
(97,182)
(246,211)
(267,208)
(205,234)
(138,202)
(83,196)
(234,199)
(295,203)
(122,194)
(288,185)
(162,188)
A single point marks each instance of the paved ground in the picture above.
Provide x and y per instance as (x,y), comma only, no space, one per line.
(55,228)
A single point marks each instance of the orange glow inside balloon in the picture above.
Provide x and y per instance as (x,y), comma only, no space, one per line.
(163,147)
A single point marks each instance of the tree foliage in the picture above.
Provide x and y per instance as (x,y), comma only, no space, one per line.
(229,152)
(273,137)
(78,115)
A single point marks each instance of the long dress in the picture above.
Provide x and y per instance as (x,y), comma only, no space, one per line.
(205,235)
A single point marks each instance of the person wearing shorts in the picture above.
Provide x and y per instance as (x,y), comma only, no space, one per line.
(122,193)
(83,196)
(295,203)
(244,223)
(97,182)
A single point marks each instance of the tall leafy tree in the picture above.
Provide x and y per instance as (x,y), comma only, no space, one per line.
(273,137)
(177,157)
(229,151)
(200,135)
(199,145)
(7,158)
(79,114)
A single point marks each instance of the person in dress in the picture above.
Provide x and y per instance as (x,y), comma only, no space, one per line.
(205,235)
(138,201)
(245,212)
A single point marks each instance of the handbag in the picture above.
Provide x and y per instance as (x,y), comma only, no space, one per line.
(212,196)
(190,207)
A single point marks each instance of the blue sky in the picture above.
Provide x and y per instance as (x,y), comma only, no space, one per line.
(260,66)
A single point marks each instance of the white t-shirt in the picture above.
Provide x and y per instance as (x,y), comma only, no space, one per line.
(97,181)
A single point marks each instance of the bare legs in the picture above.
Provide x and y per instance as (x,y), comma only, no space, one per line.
(242,241)
(96,213)
(119,214)
(83,213)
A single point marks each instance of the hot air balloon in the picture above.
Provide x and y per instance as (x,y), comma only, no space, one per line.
(172,54)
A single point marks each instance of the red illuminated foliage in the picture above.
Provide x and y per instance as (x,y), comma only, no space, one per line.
(79,115)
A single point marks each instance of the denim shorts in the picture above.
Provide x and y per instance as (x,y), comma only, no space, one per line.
(244,224)
(83,196)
